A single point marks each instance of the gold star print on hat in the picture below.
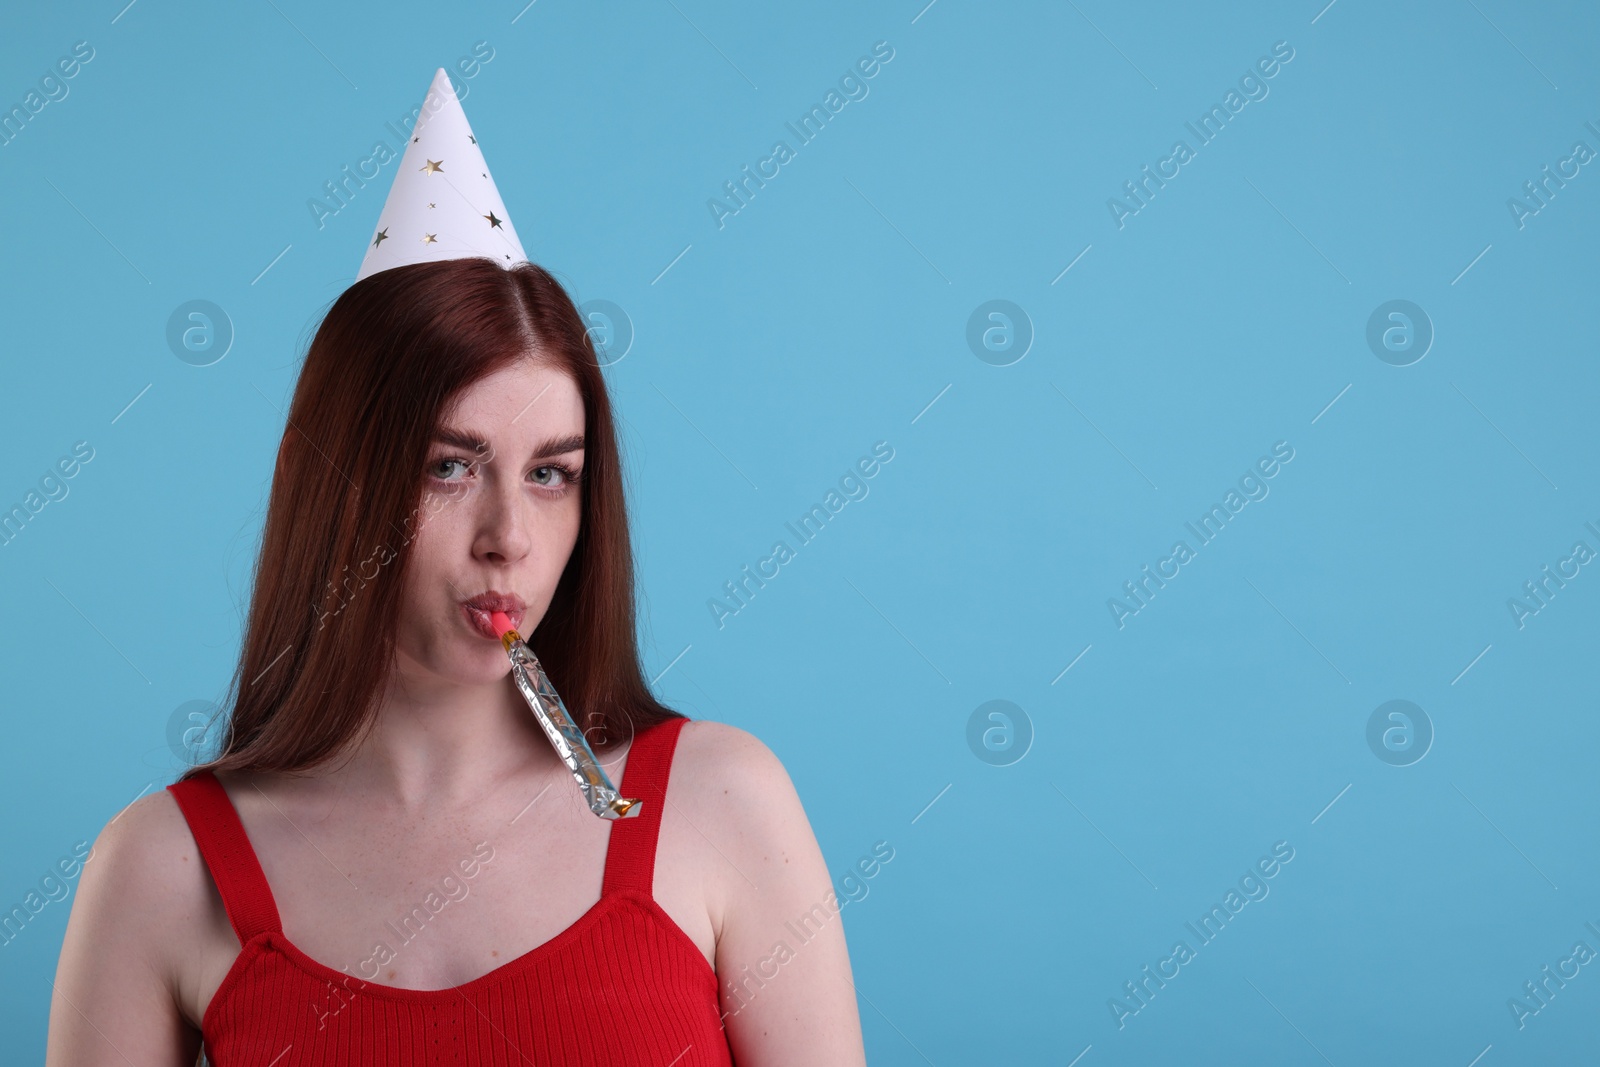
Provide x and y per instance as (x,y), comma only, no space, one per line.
(443,204)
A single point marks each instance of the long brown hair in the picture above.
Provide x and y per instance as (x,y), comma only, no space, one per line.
(385,363)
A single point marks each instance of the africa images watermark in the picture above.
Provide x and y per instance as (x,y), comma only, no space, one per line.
(1540,192)
(336,598)
(1252,886)
(1252,486)
(382,555)
(853,86)
(53,886)
(450,889)
(740,990)
(1538,591)
(1536,996)
(53,88)
(338,192)
(852,486)
(1205,130)
(52,487)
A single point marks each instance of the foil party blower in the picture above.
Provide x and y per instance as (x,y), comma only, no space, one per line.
(569,742)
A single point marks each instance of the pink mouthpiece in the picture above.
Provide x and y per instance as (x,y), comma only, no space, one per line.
(501,623)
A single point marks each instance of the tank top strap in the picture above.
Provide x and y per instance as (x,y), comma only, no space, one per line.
(215,824)
(631,852)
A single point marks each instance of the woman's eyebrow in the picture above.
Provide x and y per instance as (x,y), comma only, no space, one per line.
(460,439)
(553,446)
(559,446)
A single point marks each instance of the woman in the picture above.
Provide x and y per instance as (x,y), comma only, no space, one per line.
(387,863)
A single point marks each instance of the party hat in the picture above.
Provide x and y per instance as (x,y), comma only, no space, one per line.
(443,204)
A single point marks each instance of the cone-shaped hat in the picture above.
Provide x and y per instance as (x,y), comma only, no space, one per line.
(443,204)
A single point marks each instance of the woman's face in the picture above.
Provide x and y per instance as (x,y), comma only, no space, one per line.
(498,519)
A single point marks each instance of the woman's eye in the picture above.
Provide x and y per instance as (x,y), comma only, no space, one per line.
(452,470)
(440,468)
(556,478)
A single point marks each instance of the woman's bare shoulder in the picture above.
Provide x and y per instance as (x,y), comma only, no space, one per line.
(145,868)
(766,874)
(723,766)
(738,794)
(143,908)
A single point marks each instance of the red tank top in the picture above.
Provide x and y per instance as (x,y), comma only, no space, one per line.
(623,985)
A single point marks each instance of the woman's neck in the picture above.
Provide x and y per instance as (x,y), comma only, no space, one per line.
(440,746)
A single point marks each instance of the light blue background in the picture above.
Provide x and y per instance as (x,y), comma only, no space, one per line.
(1225,316)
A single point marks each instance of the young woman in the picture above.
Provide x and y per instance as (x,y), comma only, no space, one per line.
(387,863)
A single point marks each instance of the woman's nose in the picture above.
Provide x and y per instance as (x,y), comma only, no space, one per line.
(503,530)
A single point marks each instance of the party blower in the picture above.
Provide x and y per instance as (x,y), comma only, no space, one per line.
(569,742)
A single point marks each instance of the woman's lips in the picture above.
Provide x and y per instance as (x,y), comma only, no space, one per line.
(478,619)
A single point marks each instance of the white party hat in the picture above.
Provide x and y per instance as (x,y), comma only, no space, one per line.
(443,204)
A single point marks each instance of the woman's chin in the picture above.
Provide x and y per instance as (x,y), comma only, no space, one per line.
(465,661)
